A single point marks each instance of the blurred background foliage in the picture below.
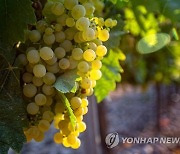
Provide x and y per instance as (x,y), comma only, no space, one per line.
(136,21)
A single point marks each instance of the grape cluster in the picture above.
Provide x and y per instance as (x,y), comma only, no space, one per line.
(69,37)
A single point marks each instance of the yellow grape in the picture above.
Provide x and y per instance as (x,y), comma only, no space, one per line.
(43,125)
(89,55)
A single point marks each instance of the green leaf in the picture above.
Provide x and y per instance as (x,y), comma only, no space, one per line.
(66,82)
(110,75)
(12,111)
(152,43)
(69,110)
(15,15)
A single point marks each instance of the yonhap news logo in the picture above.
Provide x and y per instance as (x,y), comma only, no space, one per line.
(112,140)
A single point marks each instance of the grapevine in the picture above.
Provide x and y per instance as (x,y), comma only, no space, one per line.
(69,37)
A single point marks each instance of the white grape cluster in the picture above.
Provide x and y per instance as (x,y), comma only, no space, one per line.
(69,37)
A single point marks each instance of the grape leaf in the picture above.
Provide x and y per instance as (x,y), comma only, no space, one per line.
(66,82)
(69,110)
(110,75)
(12,110)
(15,15)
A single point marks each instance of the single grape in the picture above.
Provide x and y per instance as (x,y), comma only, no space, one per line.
(57,9)
(40,99)
(89,55)
(58,138)
(64,63)
(46,53)
(34,36)
(86,83)
(29,90)
(70,22)
(53,68)
(81,126)
(89,34)
(92,45)
(69,4)
(95,74)
(37,81)
(75,102)
(60,52)
(108,22)
(49,78)
(49,101)
(48,90)
(49,39)
(22,59)
(71,138)
(44,125)
(82,23)
(67,45)
(103,35)
(79,111)
(96,64)
(39,70)
(60,36)
(59,107)
(62,19)
(83,66)
(78,11)
(84,102)
(89,9)
(77,144)
(101,50)
(41,26)
(32,108)
(51,61)
(49,31)
(48,115)
(27,77)
(33,56)
(77,53)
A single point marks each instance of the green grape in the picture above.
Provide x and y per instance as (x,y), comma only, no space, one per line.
(27,77)
(83,66)
(95,74)
(41,26)
(96,64)
(34,36)
(33,56)
(101,50)
(79,111)
(64,63)
(49,39)
(84,102)
(60,52)
(48,115)
(82,23)
(73,63)
(65,142)
(40,137)
(49,78)
(43,125)
(37,81)
(48,90)
(29,68)
(89,34)
(49,31)
(58,27)
(114,23)
(89,9)
(101,22)
(70,32)
(46,53)
(62,19)
(39,70)
(67,45)
(89,55)
(63,124)
(53,68)
(86,83)
(69,4)
(51,61)
(57,9)
(29,90)
(40,99)
(75,102)
(81,126)
(92,45)
(32,108)
(78,11)
(70,22)
(97,42)
(58,138)
(60,36)
(22,59)
(49,101)
(77,53)
(77,144)
(103,35)
(108,22)
(71,138)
